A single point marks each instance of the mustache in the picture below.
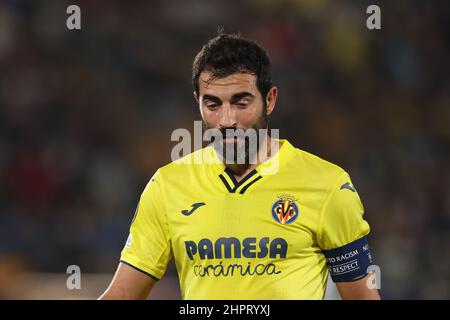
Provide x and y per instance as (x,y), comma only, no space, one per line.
(225,132)
(231,132)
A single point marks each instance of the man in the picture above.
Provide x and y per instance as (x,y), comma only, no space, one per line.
(236,229)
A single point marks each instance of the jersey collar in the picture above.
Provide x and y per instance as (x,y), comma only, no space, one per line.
(269,167)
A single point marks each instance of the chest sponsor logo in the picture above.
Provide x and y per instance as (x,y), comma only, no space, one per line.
(230,251)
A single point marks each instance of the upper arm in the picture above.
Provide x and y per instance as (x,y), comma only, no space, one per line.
(358,290)
(341,220)
(342,233)
(128,284)
(148,249)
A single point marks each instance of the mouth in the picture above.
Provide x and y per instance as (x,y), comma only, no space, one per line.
(228,140)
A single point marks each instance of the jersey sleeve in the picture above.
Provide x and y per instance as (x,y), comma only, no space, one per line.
(148,247)
(342,233)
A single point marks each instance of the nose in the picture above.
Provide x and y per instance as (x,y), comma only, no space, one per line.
(227,117)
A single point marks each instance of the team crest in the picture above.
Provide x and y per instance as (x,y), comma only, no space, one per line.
(285,210)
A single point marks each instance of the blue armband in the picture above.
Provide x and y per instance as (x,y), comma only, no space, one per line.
(349,262)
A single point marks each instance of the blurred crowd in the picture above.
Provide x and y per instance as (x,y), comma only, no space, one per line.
(86,118)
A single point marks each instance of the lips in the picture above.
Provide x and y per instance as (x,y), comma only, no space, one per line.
(230,139)
(232,136)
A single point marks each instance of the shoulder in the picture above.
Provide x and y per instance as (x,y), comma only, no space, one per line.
(179,174)
(186,166)
(315,168)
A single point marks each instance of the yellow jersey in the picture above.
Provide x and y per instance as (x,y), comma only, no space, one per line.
(276,234)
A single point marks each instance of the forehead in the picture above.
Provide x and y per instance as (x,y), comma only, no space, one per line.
(227,86)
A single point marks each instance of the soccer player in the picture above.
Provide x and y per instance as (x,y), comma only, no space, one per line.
(236,229)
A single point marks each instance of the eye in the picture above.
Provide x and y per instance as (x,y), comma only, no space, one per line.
(242,105)
(212,106)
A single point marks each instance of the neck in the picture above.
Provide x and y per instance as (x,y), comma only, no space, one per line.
(264,153)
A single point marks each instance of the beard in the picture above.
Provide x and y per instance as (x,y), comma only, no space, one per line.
(239,145)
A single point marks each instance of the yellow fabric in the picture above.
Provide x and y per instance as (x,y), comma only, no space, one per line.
(233,246)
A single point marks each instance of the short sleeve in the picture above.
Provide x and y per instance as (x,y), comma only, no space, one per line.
(342,232)
(148,247)
(342,216)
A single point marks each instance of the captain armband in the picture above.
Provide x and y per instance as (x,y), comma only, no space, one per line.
(349,262)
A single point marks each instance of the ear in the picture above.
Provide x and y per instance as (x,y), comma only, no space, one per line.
(271,99)
(196,96)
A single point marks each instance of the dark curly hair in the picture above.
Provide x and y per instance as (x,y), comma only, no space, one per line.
(229,53)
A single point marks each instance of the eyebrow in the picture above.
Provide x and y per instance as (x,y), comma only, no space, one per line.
(208,97)
(234,98)
(238,96)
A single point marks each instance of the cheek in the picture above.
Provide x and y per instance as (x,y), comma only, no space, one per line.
(248,117)
(210,117)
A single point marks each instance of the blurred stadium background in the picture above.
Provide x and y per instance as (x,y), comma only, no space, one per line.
(86,118)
